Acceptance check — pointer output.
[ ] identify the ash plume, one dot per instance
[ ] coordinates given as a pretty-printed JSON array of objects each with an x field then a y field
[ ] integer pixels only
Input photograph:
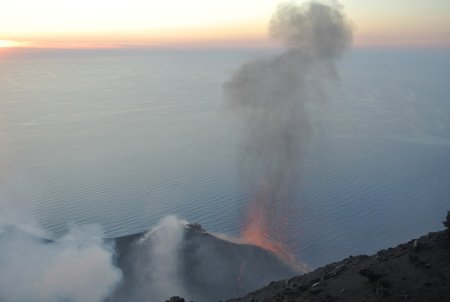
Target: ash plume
[{"x": 272, "y": 96}]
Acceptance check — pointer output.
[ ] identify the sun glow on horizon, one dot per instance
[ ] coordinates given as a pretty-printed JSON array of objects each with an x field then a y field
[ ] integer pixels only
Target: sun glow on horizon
[
  {"x": 10, "y": 43},
  {"x": 205, "y": 23},
  {"x": 245, "y": 34}
]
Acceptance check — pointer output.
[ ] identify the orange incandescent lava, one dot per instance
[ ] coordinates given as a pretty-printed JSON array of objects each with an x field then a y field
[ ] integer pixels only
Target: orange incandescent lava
[{"x": 261, "y": 231}]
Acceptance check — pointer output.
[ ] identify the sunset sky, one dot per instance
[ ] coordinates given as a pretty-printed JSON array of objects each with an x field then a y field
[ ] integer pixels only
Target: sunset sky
[{"x": 137, "y": 23}]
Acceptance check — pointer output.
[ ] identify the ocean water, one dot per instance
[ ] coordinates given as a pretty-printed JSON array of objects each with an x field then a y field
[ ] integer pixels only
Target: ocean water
[{"x": 122, "y": 138}]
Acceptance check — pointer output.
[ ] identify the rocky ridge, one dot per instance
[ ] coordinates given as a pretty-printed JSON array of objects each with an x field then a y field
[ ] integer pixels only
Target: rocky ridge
[{"x": 418, "y": 270}]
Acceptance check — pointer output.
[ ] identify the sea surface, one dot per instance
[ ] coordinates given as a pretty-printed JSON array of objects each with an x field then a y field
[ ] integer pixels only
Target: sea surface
[{"x": 122, "y": 138}]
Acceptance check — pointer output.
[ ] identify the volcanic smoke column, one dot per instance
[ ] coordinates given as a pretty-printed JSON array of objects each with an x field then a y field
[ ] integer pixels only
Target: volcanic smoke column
[{"x": 272, "y": 95}]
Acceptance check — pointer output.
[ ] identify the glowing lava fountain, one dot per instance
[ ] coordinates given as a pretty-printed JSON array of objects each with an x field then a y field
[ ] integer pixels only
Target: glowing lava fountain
[{"x": 267, "y": 227}]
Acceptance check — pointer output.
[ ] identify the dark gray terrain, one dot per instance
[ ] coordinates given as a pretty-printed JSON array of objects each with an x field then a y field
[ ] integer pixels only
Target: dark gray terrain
[
  {"x": 210, "y": 268},
  {"x": 415, "y": 271}
]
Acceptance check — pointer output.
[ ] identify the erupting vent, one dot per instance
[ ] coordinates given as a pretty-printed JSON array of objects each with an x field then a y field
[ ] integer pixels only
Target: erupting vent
[{"x": 272, "y": 96}]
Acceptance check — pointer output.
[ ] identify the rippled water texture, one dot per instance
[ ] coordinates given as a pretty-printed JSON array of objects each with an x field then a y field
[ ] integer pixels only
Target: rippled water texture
[{"x": 123, "y": 138}]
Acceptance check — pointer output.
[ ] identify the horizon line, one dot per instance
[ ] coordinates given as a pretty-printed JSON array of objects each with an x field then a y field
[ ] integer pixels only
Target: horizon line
[{"x": 237, "y": 43}]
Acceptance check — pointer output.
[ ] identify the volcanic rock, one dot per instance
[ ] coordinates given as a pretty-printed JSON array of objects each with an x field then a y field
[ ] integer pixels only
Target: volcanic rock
[
  {"x": 175, "y": 299},
  {"x": 418, "y": 270},
  {"x": 211, "y": 268}
]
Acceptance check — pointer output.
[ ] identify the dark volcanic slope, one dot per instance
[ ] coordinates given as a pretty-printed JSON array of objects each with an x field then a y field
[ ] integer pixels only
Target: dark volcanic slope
[
  {"x": 210, "y": 268},
  {"x": 415, "y": 271}
]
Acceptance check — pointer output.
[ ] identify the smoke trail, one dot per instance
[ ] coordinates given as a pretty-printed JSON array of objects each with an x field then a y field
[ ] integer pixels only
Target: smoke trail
[
  {"x": 272, "y": 96},
  {"x": 164, "y": 245},
  {"x": 151, "y": 263}
]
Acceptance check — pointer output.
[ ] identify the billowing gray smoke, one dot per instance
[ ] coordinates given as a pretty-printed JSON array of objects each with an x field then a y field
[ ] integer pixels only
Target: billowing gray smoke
[{"x": 272, "y": 96}]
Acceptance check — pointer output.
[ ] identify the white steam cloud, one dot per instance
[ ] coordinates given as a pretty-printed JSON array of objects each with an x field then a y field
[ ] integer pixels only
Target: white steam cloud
[
  {"x": 164, "y": 245},
  {"x": 36, "y": 270}
]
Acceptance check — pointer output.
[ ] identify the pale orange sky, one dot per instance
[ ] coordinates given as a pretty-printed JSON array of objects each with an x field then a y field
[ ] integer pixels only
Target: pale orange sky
[{"x": 208, "y": 23}]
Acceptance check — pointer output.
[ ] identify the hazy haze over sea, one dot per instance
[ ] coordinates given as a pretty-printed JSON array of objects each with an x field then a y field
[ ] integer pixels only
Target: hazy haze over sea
[{"x": 123, "y": 138}]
